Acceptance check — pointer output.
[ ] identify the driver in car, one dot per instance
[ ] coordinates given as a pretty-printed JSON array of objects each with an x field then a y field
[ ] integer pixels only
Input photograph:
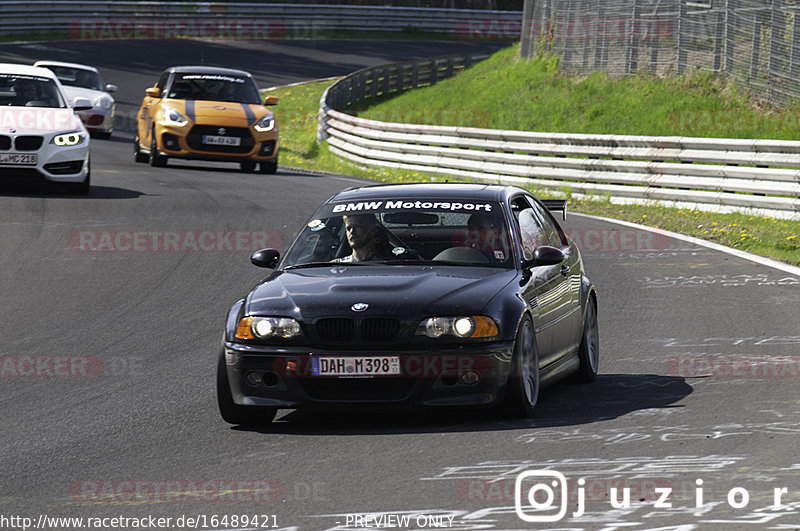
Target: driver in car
[{"x": 365, "y": 237}]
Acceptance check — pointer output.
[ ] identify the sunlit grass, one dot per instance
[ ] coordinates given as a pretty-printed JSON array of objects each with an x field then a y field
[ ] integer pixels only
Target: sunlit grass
[{"x": 766, "y": 236}]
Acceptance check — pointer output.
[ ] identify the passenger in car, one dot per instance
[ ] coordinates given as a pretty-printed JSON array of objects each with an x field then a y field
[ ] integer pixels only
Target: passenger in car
[{"x": 484, "y": 235}]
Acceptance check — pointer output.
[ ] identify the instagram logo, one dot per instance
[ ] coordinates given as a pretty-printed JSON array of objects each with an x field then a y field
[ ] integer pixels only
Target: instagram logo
[{"x": 541, "y": 488}]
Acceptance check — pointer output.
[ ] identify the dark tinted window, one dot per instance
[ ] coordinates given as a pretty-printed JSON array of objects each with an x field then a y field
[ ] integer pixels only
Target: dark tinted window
[{"x": 213, "y": 87}]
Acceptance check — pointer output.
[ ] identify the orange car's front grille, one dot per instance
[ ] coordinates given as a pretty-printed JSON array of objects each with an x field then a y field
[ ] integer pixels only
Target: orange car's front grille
[{"x": 198, "y": 132}]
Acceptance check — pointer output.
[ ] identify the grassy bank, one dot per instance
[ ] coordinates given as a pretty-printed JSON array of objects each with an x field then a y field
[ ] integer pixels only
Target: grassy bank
[{"x": 777, "y": 239}]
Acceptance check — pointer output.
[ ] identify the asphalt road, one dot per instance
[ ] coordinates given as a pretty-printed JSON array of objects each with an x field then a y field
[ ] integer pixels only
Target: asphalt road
[{"x": 699, "y": 368}]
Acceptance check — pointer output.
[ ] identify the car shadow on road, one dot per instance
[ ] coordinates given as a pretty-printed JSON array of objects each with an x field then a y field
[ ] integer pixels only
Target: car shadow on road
[
  {"x": 609, "y": 397},
  {"x": 55, "y": 191}
]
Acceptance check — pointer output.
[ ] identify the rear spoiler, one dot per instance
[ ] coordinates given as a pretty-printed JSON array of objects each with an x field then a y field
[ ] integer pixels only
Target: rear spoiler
[{"x": 556, "y": 205}]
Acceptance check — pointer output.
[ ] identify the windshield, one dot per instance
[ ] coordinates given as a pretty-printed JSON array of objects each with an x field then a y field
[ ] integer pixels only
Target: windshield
[
  {"x": 77, "y": 77},
  {"x": 463, "y": 232},
  {"x": 214, "y": 87},
  {"x": 30, "y": 91}
]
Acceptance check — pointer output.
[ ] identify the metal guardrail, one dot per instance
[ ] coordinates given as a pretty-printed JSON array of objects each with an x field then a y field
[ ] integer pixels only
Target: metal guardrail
[
  {"x": 757, "y": 176},
  {"x": 105, "y": 20}
]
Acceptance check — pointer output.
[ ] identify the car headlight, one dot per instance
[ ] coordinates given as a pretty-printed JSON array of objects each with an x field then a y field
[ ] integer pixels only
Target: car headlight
[
  {"x": 173, "y": 117},
  {"x": 268, "y": 328},
  {"x": 68, "y": 139},
  {"x": 103, "y": 101},
  {"x": 466, "y": 326},
  {"x": 265, "y": 123}
]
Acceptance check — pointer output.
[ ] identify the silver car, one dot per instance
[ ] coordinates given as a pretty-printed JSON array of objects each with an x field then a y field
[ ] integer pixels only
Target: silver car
[{"x": 82, "y": 81}]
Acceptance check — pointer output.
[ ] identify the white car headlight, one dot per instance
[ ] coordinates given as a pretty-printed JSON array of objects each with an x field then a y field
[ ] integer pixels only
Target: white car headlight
[
  {"x": 268, "y": 328},
  {"x": 265, "y": 123},
  {"x": 173, "y": 117},
  {"x": 466, "y": 326},
  {"x": 68, "y": 139},
  {"x": 103, "y": 101}
]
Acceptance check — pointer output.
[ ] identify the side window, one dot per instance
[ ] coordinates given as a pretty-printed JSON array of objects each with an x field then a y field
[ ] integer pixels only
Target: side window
[
  {"x": 162, "y": 81},
  {"x": 531, "y": 234},
  {"x": 554, "y": 233}
]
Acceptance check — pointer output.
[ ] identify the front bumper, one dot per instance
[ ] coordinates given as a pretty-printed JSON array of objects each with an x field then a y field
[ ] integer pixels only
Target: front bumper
[
  {"x": 185, "y": 142},
  {"x": 58, "y": 164},
  {"x": 426, "y": 379}
]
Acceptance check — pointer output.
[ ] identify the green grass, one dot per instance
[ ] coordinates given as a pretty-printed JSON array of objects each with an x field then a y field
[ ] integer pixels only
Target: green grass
[
  {"x": 765, "y": 236},
  {"x": 504, "y": 92}
]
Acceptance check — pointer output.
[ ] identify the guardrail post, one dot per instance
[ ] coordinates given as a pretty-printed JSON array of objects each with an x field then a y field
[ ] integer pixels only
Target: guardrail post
[
  {"x": 526, "y": 31},
  {"x": 632, "y": 55},
  {"x": 719, "y": 40},
  {"x": 682, "y": 51},
  {"x": 794, "y": 54},
  {"x": 775, "y": 43},
  {"x": 414, "y": 76},
  {"x": 434, "y": 72},
  {"x": 730, "y": 34},
  {"x": 755, "y": 51}
]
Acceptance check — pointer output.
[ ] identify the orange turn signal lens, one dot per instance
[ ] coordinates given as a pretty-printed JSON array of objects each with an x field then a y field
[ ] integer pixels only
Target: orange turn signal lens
[
  {"x": 243, "y": 330},
  {"x": 484, "y": 327}
]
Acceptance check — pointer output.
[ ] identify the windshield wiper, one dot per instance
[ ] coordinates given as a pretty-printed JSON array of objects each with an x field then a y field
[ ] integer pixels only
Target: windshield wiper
[{"x": 323, "y": 264}]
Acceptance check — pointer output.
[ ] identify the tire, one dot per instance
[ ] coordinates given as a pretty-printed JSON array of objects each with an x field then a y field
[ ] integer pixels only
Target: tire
[
  {"x": 269, "y": 166},
  {"x": 233, "y": 413},
  {"x": 589, "y": 351},
  {"x": 248, "y": 166},
  {"x": 138, "y": 156},
  {"x": 157, "y": 160},
  {"x": 523, "y": 383}
]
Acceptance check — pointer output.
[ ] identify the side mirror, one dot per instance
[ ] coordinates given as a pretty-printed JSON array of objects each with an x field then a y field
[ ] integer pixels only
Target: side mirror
[
  {"x": 81, "y": 104},
  {"x": 153, "y": 92},
  {"x": 265, "y": 258},
  {"x": 110, "y": 88},
  {"x": 271, "y": 100},
  {"x": 544, "y": 256}
]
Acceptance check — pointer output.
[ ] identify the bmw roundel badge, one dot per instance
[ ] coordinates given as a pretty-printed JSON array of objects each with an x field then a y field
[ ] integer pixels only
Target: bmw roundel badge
[{"x": 359, "y": 306}]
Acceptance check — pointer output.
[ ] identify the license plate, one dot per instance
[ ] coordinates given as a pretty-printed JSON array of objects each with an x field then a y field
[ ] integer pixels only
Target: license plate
[
  {"x": 18, "y": 158},
  {"x": 361, "y": 366},
  {"x": 222, "y": 140}
]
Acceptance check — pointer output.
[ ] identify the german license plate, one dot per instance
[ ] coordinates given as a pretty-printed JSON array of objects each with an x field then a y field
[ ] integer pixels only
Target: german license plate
[
  {"x": 21, "y": 159},
  {"x": 222, "y": 140},
  {"x": 361, "y": 366}
]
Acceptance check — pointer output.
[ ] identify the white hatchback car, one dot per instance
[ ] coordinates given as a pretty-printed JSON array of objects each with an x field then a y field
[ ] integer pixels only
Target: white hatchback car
[
  {"x": 41, "y": 137},
  {"x": 82, "y": 81}
]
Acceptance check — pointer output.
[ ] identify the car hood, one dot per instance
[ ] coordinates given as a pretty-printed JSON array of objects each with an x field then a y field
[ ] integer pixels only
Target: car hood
[
  {"x": 79, "y": 92},
  {"x": 219, "y": 112},
  {"x": 412, "y": 292}
]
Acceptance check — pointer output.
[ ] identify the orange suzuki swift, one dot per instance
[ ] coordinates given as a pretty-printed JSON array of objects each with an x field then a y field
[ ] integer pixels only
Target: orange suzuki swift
[{"x": 206, "y": 113}]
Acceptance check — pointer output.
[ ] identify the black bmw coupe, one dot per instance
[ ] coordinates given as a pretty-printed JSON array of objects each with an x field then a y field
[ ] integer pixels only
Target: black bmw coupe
[{"x": 415, "y": 294}]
